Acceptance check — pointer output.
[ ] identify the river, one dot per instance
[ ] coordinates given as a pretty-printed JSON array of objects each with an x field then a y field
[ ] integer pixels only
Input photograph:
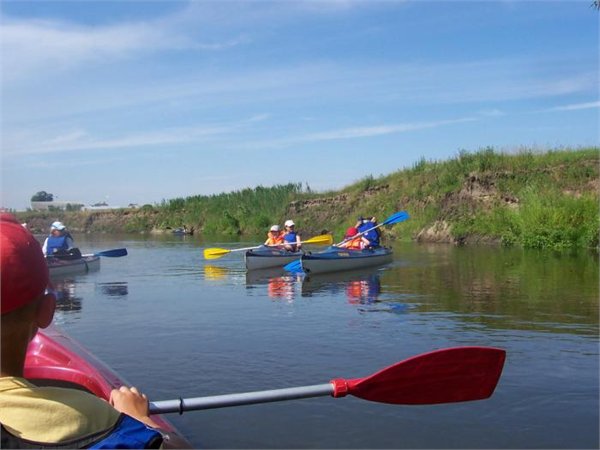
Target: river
[{"x": 177, "y": 325}]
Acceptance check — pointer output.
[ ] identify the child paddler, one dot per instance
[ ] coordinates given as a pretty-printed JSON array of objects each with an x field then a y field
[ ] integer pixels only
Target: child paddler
[
  {"x": 291, "y": 238},
  {"x": 274, "y": 236}
]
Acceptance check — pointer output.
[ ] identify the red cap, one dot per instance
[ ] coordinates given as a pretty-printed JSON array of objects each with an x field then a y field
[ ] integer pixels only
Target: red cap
[
  {"x": 22, "y": 265},
  {"x": 352, "y": 231}
]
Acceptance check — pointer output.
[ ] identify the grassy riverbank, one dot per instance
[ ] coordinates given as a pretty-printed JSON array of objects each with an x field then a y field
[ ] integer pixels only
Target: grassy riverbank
[{"x": 546, "y": 200}]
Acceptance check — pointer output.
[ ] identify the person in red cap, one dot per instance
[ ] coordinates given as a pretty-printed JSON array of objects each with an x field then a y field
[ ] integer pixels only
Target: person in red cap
[
  {"x": 354, "y": 241},
  {"x": 49, "y": 416}
]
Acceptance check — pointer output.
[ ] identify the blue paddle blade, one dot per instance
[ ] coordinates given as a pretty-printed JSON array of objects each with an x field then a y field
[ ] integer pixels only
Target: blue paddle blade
[
  {"x": 400, "y": 216},
  {"x": 294, "y": 266}
]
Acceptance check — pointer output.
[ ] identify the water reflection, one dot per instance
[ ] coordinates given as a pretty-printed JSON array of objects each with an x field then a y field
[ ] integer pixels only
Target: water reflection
[
  {"x": 113, "y": 289},
  {"x": 215, "y": 272},
  {"x": 507, "y": 288},
  {"x": 360, "y": 287},
  {"x": 281, "y": 285},
  {"x": 66, "y": 296}
]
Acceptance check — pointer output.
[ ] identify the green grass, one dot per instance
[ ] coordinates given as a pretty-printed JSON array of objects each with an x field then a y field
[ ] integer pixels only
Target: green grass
[{"x": 526, "y": 198}]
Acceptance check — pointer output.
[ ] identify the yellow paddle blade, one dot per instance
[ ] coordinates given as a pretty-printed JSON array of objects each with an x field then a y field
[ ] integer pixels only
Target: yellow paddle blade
[
  {"x": 214, "y": 253},
  {"x": 323, "y": 239}
]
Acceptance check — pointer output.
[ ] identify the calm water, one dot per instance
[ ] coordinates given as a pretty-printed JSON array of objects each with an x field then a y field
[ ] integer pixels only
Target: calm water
[{"x": 175, "y": 325}]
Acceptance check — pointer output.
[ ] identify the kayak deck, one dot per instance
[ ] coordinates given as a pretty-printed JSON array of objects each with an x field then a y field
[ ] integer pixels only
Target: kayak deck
[{"x": 55, "y": 359}]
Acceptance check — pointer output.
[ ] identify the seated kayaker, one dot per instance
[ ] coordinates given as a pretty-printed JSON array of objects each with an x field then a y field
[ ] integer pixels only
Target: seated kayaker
[
  {"x": 40, "y": 417},
  {"x": 372, "y": 234},
  {"x": 291, "y": 238},
  {"x": 59, "y": 242},
  {"x": 274, "y": 236},
  {"x": 354, "y": 241}
]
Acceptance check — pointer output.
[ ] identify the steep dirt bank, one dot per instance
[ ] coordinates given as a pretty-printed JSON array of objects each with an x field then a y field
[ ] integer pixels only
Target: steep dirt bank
[{"x": 484, "y": 198}]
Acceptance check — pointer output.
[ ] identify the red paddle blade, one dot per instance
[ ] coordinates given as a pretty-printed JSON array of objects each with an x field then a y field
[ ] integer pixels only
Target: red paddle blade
[{"x": 450, "y": 375}]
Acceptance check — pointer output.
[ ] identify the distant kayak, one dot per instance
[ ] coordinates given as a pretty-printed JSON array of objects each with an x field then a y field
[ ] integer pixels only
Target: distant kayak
[
  {"x": 266, "y": 257},
  {"x": 182, "y": 231},
  {"x": 75, "y": 266},
  {"x": 336, "y": 259}
]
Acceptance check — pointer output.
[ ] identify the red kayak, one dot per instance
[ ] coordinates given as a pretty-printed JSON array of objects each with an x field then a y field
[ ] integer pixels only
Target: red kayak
[{"x": 55, "y": 359}]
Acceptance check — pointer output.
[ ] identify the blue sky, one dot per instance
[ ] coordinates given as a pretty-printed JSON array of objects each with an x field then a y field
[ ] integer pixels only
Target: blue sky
[{"x": 136, "y": 102}]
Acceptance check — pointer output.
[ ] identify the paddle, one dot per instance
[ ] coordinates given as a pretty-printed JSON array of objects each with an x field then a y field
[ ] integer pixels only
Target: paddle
[
  {"x": 114, "y": 253},
  {"x": 449, "y": 375},
  {"x": 214, "y": 253},
  {"x": 400, "y": 216}
]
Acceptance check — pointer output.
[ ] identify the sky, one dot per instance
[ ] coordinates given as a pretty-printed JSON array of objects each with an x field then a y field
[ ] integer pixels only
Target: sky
[{"x": 143, "y": 101}]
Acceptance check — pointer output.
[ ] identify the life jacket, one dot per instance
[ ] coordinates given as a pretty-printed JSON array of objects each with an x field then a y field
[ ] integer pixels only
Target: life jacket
[
  {"x": 354, "y": 244},
  {"x": 274, "y": 240},
  {"x": 290, "y": 237},
  {"x": 372, "y": 236},
  {"x": 127, "y": 432},
  {"x": 56, "y": 244}
]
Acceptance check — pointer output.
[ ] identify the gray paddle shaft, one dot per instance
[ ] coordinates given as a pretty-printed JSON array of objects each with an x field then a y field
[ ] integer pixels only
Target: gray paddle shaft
[{"x": 248, "y": 398}]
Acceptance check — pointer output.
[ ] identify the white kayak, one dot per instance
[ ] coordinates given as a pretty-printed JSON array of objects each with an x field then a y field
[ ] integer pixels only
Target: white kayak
[
  {"x": 336, "y": 259},
  {"x": 60, "y": 267},
  {"x": 266, "y": 257}
]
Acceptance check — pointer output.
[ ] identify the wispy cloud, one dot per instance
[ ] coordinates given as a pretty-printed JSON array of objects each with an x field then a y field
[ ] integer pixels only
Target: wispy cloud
[
  {"x": 83, "y": 141},
  {"x": 79, "y": 140},
  {"x": 359, "y": 132},
  {"x": 363, "y": 132},
  {"x": 51, "y": 164},
  {"x": 574, "y": 107},
  {"x": 29, "y": 46}
]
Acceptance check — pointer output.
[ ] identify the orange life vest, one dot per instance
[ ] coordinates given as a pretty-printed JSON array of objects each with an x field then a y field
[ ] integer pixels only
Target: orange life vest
[
  {"x": 274, "y": 240},
  {"x": 354, "y": 244}
]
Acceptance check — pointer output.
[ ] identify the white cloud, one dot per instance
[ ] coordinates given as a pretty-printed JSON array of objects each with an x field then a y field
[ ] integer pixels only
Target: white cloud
[
  {"x": 575, "y": 107},
  {"x": 33, "y": 46},
  {"x": 353, "y": 133},
  {"x": 362, "y": 132},
  {"x": 80, "y": 140}
]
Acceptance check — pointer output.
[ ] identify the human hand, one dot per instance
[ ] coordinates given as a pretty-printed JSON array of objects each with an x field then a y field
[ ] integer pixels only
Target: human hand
[{"x": 130, "y": 401}]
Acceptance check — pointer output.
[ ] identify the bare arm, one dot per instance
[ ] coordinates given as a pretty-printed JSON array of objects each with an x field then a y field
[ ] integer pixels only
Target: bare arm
[{"x": 132, "y": 402}]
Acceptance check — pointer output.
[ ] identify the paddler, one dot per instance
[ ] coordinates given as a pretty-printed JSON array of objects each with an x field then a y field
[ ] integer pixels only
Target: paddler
[
  {"x": 41, "y": 417},
  {"x": 354, "y": 241},
  {"x": 291, "y": 238},
  {"x": 373, "y": 235},
  {"x": 274, "y": 236},
  {"x": 60, "y": 242}
]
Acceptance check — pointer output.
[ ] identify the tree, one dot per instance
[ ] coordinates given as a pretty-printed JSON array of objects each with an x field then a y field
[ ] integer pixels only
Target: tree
[{"x": 42, "y": 196}]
